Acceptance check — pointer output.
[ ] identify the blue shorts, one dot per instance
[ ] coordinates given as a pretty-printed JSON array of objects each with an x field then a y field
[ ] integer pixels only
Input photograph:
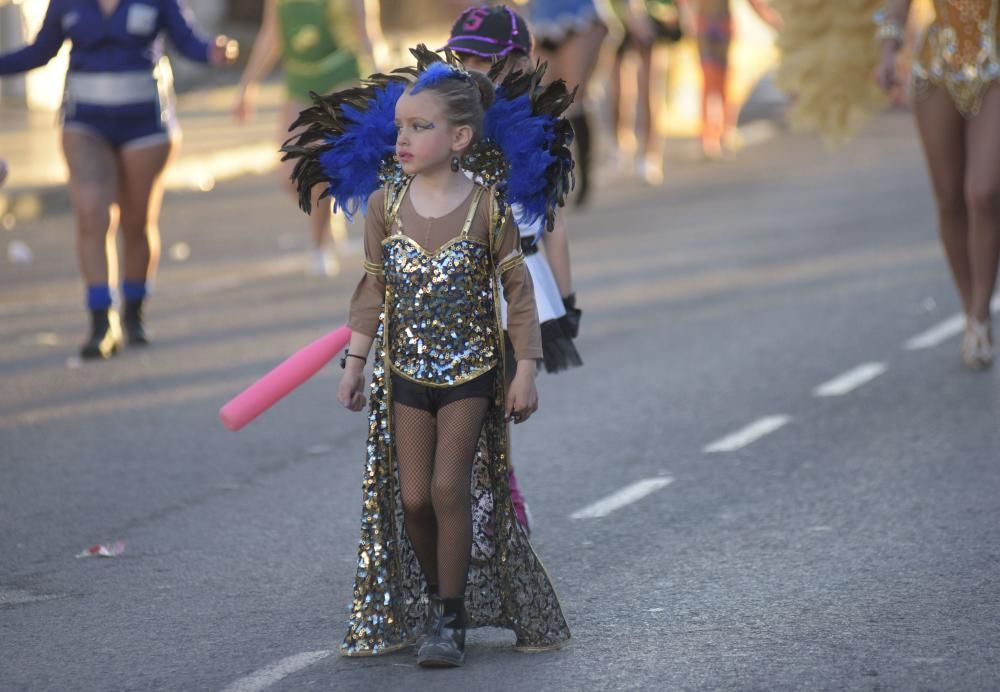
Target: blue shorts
[
  {"x": 553, "y": 21},
  {"x": 134, "y": 125}
]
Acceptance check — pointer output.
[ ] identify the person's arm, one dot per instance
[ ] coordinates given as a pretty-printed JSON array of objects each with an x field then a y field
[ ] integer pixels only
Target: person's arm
[
  {"x": 45, "y": 46},
  {"x": 263, "y": 57},
  {"x": 368, "y": 26},
  {"x": 192, "y": 44},
  {"x": 522, "y": 323},
  {"x": 366, "y": 305},
  {"x": 891, "y": 32}
]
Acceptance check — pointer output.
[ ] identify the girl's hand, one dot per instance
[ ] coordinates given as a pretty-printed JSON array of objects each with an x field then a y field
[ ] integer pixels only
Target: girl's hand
[
  {"x": 885, "y": 73},
  {"x": 352, "y": 385},
  {"x": 224, "y": 51},
  {"x": 522, "y": 397}
]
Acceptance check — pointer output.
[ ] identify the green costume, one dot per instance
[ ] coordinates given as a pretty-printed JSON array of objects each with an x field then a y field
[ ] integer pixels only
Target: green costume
[{"x": 319, "y": 51}]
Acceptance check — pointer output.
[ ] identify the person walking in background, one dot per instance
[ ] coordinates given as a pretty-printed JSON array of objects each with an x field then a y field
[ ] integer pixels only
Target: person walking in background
[
  {"x": 956, "y": 86},
  {"x": 714, "y": 26},
  {"x": 119, "y": 132},
  {"x": 568, "y": 36},
  {"x": 647, "y": 23},
  {"x": 322, "y": 46},
  {"x": 3, "y": 172}
]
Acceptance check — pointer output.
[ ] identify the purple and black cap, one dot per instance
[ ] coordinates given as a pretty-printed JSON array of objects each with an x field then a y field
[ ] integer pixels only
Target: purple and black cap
[{"x": 489, "y": 31}]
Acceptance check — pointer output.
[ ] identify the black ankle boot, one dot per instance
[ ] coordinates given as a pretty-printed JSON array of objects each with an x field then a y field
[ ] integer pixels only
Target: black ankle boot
[
  {"x": 105, "y": 335},
  {"x": 446, "y": 649},
  {"x": 135, "y": 332},
  {"x": 432, "y": 621},
  {"x": 581, "y": 135}
]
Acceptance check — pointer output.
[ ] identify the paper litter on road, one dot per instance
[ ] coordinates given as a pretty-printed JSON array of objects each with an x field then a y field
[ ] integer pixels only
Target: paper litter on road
[
  {"x": 104, "y": 550},
  {"x": 18, "y": 252}
]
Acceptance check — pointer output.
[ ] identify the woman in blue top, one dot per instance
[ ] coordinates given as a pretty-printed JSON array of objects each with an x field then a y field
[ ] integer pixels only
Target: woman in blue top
[{"x": 118, "y": 134}]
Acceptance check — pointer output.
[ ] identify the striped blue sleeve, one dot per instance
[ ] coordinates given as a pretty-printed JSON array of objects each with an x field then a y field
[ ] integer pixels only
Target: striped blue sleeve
[
  {"x": 179, "y": 23},
  {"x": 47, "y": 43}
]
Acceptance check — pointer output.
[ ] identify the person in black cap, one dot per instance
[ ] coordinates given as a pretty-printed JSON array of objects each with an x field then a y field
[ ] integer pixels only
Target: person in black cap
[{"x": 480, "y": 36}]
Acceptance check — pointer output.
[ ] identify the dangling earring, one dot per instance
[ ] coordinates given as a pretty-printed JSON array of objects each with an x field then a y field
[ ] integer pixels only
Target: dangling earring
[{"x": 455, "y": 164}]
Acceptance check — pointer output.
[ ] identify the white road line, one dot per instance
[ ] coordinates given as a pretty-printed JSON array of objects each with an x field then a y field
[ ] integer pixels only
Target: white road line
[
  {"x": 943, "y": 331},
  {"x": 850, "y": 380},
  {"x": 619, "y": 499},
  {"x": 937, "y": 334},
  {"x": 265, "y": 677},
  {"x": 748, "y": 435}
]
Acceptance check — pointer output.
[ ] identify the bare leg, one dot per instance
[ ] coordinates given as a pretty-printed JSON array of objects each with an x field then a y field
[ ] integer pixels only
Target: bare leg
[
  {"x": 942, "y": 132},
  {"x": 575, "y": 62},
  {"x": 577, "y": 58},
  {"x": 615, "y": 96},
  {"x": 982, "y": 194},
  {"x": 93, "y": 181},
  {"x": 556, "y": 247},
  {"x": 140, "y": 199},
  {"x": 644, "y": 107},
  {"x": 713, "y": 107}
]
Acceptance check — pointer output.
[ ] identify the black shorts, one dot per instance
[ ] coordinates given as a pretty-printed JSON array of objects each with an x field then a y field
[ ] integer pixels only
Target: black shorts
[{"x": 432, "y": 399}]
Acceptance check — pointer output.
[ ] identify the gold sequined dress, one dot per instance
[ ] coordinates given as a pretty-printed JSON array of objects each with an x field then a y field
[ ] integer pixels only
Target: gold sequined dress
[
  {"x": 431, "y": 303},
  {"x": 959, "y": 52}
]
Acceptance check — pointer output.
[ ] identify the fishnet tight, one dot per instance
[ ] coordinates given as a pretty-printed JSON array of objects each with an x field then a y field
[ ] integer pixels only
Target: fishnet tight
[{"x": 435, "y": 453}]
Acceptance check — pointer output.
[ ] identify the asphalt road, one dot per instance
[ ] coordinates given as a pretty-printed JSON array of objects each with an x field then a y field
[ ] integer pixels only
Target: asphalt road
[{"x": 787, "y": 540}]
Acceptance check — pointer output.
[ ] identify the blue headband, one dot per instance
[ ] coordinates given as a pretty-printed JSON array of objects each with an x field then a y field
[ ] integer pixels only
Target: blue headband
[{"x": 437, "y": 73}]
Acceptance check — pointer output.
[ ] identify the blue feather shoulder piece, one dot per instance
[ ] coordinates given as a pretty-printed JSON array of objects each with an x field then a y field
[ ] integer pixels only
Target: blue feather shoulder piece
[
  {"x": 347, "y": 139},
  {"x": 347, "y": 142},
  {"x": 526, "y": 126}
]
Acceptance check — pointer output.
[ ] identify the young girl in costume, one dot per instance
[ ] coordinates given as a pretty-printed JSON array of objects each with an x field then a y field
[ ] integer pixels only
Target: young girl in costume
[
  {"x": 441, "y": 549},
  {"x": 479, "y": 37}
]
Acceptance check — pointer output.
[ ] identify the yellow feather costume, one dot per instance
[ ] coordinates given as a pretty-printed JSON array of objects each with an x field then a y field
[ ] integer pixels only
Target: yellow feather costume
[{"x": 828, "y": 61}]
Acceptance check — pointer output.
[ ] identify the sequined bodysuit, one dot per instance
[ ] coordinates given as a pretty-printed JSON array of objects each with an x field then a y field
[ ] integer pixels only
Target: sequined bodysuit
[
  {"x": 959, "y": 52},
  {"x": 434, "y": 338}
]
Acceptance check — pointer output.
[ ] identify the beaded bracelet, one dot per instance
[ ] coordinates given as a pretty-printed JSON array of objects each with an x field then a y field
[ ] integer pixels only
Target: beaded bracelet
[{"x": 888, "y": 30}]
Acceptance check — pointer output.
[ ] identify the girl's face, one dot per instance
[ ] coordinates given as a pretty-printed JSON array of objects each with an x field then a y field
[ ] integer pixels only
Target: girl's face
[
  {"x": 475, "y": 62},
  {"x": 425, "y": 140}
]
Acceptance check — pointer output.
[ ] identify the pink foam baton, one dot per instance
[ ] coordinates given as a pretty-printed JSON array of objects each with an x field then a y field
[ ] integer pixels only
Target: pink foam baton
[{"x": 293, "y": 371}]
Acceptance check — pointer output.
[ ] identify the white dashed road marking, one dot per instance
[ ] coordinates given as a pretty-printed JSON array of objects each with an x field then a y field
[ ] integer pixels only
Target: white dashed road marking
[
  {"x": 265, "y": 677},
  {"x": 850, "y": 380},
  {"x": 621, "y": 498},
  {"x": 748, "y": 435}
]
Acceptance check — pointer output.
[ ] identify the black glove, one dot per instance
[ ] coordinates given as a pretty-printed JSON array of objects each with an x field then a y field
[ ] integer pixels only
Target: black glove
[{"x": 571, "y": 320}]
